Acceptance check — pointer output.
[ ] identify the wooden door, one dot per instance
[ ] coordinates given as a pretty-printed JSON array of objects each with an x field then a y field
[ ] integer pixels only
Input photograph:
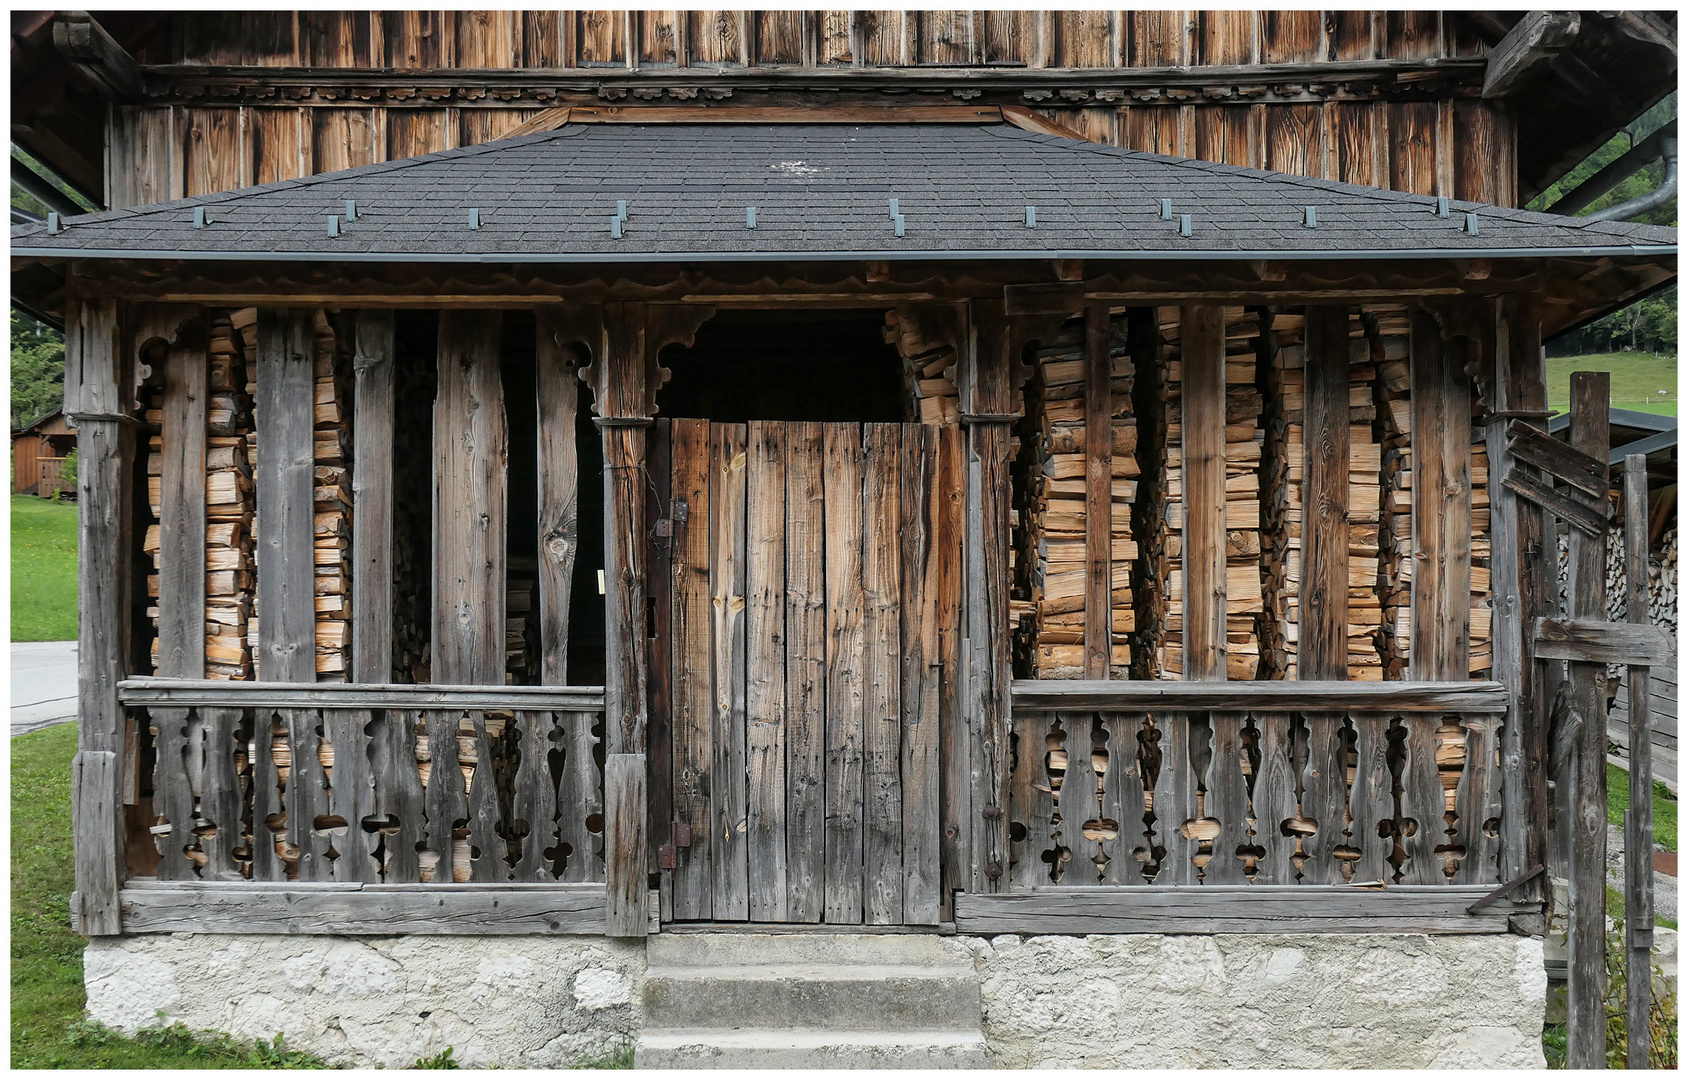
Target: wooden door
[{"x": 812, "y": 584}]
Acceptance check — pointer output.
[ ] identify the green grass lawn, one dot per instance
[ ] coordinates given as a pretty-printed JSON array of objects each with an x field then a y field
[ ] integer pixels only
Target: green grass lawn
[
  {"x": 43, "y": 569},
  {"x": 1664, "y": 807},
  {"x": 48, "y": 1030},
  {"x": 1637, "y": 379}
]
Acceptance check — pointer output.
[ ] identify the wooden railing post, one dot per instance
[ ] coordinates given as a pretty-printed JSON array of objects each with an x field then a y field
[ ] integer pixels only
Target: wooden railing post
[
  {"x": 1441, "y": 550},
  {"x": 98, "y": 400},
  {"x": 372, "y": 494},
  {"x": 285, "y": 484},
  {"x": 1323, "y": 649}
]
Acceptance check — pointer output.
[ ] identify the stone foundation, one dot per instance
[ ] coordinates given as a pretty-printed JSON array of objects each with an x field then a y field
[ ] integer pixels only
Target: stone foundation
[{"x": 1105, "y": 1001}]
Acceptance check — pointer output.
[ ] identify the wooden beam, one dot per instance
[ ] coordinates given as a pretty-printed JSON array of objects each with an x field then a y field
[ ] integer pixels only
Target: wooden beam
[
  {"x": 471, "y": 450},
  {"x": 1638, "y": 819},
  {"x": 313, "y": 695},
  {"x": 1441, "y": 586},
  {"x": 100, "y": 59},
  {"x": 96, "y": 394},
  {"x": 1531, "y": 44},
  {"x": 1596, "y": 641},
  {"x": 625, "y": 908},
  {"x": 1574, "y": 512},
  {"x": 1560, "y": 461},
  {"x": 786, "y": 114},
  {"x": 181, "y": 526},
  {"x": 1586, "y": 998},
  {"x": 285, "y": 484},
  {"x": 1235, "y": 909},
  {"x": 1323, "y": 648},
  {"x": 1203, "y": 354},
  {"x": 559, "y": 488},
  {"x": 372, "y": 495},
  {"x": 1083, "y": 695},
  {"x": 1098, "y": 488}
]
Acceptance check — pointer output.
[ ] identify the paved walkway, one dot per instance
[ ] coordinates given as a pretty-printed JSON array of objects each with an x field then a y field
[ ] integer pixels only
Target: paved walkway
[{"x": 43, "y": 684}]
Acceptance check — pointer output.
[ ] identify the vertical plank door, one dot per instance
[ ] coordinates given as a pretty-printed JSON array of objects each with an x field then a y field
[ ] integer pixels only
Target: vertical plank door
[
  {"x": 882, "y": 792},
  {"x": 805, "y": 672},
  {"x": 845, "y": 695},
  {"x": 728, "y": 795},
  {"x": 765, "y": 695},
  {"x": 691, "y": 662}
]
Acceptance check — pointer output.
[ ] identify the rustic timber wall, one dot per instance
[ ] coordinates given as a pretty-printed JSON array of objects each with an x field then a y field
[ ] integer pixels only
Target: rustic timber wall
[{"x": 1253, "y": 95}]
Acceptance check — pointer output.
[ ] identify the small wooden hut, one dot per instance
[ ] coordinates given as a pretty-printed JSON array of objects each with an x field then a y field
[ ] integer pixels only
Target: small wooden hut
[{"x": 38, "y": 453}]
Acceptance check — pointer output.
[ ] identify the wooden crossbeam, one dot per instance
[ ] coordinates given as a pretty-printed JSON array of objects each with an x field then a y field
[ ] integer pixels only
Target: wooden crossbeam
[
  {"x": 1585, "y": 518},
  {"x": 1557, "y": 459},
  {"x": 1595, "y": 641}
]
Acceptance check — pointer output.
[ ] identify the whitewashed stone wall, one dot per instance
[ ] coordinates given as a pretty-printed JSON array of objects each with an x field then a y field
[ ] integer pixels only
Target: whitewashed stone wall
[
  {"x": 515, "y": 1001},
  {"x": 1106, "y": 1001}
]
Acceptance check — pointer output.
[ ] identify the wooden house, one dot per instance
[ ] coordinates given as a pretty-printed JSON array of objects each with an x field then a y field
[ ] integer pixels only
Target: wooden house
[
  {"x": 38, "y": 453},
  {"x": 967, "y": 472}
]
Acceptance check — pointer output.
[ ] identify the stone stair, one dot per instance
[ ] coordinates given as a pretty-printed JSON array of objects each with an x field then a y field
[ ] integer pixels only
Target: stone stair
[{"x": 809, "y": 1001}]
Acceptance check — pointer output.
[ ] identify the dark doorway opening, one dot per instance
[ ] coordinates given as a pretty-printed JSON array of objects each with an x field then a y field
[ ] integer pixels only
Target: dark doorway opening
[{"x": 787, "y": 365}]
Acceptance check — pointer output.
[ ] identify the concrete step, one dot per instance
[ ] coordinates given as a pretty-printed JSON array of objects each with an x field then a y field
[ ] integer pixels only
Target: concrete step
[
  {"x": 666, "y": 950},
  {"x": 833, "y": 997},
  {"x": 799, "y": 1049}
]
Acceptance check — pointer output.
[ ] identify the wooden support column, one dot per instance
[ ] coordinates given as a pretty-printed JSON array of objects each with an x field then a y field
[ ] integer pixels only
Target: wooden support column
[
  {"x": 1441, "y": 589},
  {"x": 181, "y": 527},
  {"x": 559, "y": 492},
  {"x": 471, "y": 452},
  {"x": 372, "y": 494},
  {"x": 1521, "y": 574},
  {"x": 1204, "y": 490},
  {"x": 1098, "y": 493},
  {"x": 1585, "y": 1043},
  {"x": 286, "y": 485},
  {"x": 1323, "y": 651},
  {"x": 625, "y": 340},
  {"x": 1638, "y": 819},
  {"x": 98, "y": 400}
]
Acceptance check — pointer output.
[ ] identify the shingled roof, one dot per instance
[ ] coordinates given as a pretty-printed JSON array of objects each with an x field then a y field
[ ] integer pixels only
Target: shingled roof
[{"x": 819, "y": 192}]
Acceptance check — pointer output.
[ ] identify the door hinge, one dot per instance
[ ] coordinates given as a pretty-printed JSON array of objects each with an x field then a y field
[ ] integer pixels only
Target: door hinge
[{"x": 681, "y": 833}]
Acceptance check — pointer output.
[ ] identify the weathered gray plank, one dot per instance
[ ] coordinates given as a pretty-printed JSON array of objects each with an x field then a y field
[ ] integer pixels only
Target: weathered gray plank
[
  {"x": 922, "y": 506},
  {"x": 805, "y": 673},
  {"x": 471, "y": 451},
  {"x": 1122, "y": 801},
  {"x": 268, "y": 805},
  {"x": 1203, "y": 352},
  {"x": 559, "y": 486},
  {"x": 534, "y": 805},
  {"x": 1274, "y": 801},
  {"x": 351, "y": 794},
  {"x": 1098, "y": 492},
  {"x": 372, "y": 494},
  {"x": 1324, "y": 798},
  {"x": 486, "y": 848},
  {"x": 307, "y": 794},
  {"x": 882, "y": 781},
  {"x": 172, "y": 798},
  {"x": 1371, "y": 800},
  {"x": 285, "y": 485},
  {"x": 1575, "y": 512},
  {"x": 398, "y": 793},
  {"x": 1209, "y": 909},
  {"x": 1559, "y": 460},
  {"x": 625, "y": 906},
  {"x": 445, "y": 803},
  {"x": 349, "y": 696},
  {"x": 1080, "y": 801},
  {"x": 1032, "y": 805},
  {"x": 1322, "y": 652},
  {"x": 729, "y": 798},
  {"x": 955, "y": 754},
  {"x": 1175, "y": 798},
  {"x": 765, "y": 693},
  {"x": 1441, "y": 585},
  {"x": 1477, "y": 803},
  {"x": 1638, "y": 819},
  {"x": 1423, "y": 804},
  {"x": 691, "y": 662},
  {"x": 845, "y": 695},
  {"x": 1596, "y": 641},
  {"x": 1395, "y": 697},
  {"x": 1227, "y": 800},
  {"x": 181, "y": 523},
  {"x": 580, "y": 798}
]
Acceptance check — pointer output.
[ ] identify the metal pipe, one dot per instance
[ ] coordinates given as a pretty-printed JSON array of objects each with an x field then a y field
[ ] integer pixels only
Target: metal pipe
[
  {"x": 1638, "y": 156},
  {"x": 1641, "y": 204},
  {"x": 43, "y": 189}
]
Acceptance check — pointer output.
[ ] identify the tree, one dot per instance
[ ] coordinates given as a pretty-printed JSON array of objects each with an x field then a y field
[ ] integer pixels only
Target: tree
[{"x": 37, "y": 370}]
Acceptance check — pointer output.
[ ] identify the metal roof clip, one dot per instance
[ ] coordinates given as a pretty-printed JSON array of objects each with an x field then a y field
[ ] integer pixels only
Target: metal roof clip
[
  {"x": 896, "y": 211},
  {"x": 615, "y": 227},
  {"x": 1471, "y": 222},
  {"x": 199, "y": 217},
  {"x": 750, "y": 217},
  {"x": 621, "y": 209},
  {"x": 899, "y": 222},
  {"x": 1183, "y": 224},
  {"x": 1031, "y": 216},
  {"x": 474, "y": 217},
  {"x": 1166, "y": 209},
  {"x": 333, "y": 224},
  {"x": 1443, "y": 205},
  {"x": 54, "y": 224},
  {"x": 351, "y": 209},
  {"x": 1310, "y": 216}
]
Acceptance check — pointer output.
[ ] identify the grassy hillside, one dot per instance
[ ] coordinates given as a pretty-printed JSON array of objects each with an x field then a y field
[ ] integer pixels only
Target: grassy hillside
[
  {"x": 1637, "y": 379},
  {"x": 43, "y": 569}
]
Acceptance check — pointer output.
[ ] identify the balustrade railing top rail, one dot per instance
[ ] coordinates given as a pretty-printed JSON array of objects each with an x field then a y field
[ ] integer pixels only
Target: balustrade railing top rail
[
  {"x": 195, "y": 692},
  {"x": 1322, "y": 696}
]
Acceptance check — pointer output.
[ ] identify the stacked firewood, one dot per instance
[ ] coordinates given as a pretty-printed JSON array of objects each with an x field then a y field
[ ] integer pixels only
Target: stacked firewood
[
  {"x": 1050, "y": 541},
  {"x": 521, "y": 582},
  {"x": 151, "y": 395},
  {"x": 230, "y": 499},
  {"x": 1244, "y": 442},
  {"x": 333, "y": 502},
  {"x": 1395, "y": 530},
  {"x": 928, "y": 371},
  {"x": 1482, "y": 607}
]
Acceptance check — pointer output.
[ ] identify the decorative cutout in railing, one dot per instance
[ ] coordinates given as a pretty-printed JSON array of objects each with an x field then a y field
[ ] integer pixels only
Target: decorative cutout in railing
[
  {"x": 1280, "y": 796},
  {"x": 375, "y": 785}
]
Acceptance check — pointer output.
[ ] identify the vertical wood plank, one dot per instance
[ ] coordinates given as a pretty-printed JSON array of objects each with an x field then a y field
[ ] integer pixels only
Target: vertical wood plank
[
  {"x": 220, "y": 802},
  {"x": 535, "y": 799},
  {"x": 624, "y": 845},
  {"x": 729, "y": 797},
  {"x": 882, "y": 800},
  {"x": 1203, "y": 356},
  {"x": 1323, "y": 648},
  {"x": 471, "y": 451},
  {"x": 372, "y": 494},
  {"x": 920, "y": 512},
  {"x": 181, "y": 557},
  {"x": 659, "y": 577},
  {"x": 1372, "y": 799},
  {"x": 1274, "y": 800},
  {"x": 955, "y": 754},
  {"x": 1098, "y": 492},
  {"x": 845, "y": 695},
  {"x": 172, "y": 797},
  {"x": 1033, "y": 799},
  {"x": 444, "y": 795},
  {"x": 1175, "y": 800},
  {"x": 285, "y": 483},
  {"x": 1227, "y": 800},
  {"x": 1122, "y": 800},
  {"x": 691, "y": 663},
  {"x": 580, "y": 797},
  {"x": 1079, "y": 800},
  {"x": 1638, "y": 819},
  {"x": 765, "y": 689},
  {"x": 1477, "y": 802},
  {"x": 1423, "y": 805},
  {"x": 486, "y": 847},
  {"x": 559, "y": 486},
  {"x": 1441, "y": 585},
  {"x": 805, "y": 672},
  {"x": 351, "y": 794},
  {"x": 1586, "y": 1001},
  {"x": 399, "y": 797},
  {"x": 307, "y": 793},
  {"x": 1324, "y": 798}
]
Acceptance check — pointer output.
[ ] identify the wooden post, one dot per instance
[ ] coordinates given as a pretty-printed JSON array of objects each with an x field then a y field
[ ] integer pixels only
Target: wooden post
[
  {"x": 1441, "y": 588},
  {"x": 372, "y": 494},
  {"x": 1638, "y": 819},
  {"x": 97, "y": 399},
  {"x": 1204, "y": 491},
  {"x": 1521, "y": 574},
  {"x": 181, "y": 527},
  {"x": 471, "y": 449},
  {"x": 1585, "y": 1043},
  {"x": 1098, "y": 493},
  {"x": 1323, "y": 650},
  {"x": 559, "y": 486},
  {"x": 286, "y": 486}
]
